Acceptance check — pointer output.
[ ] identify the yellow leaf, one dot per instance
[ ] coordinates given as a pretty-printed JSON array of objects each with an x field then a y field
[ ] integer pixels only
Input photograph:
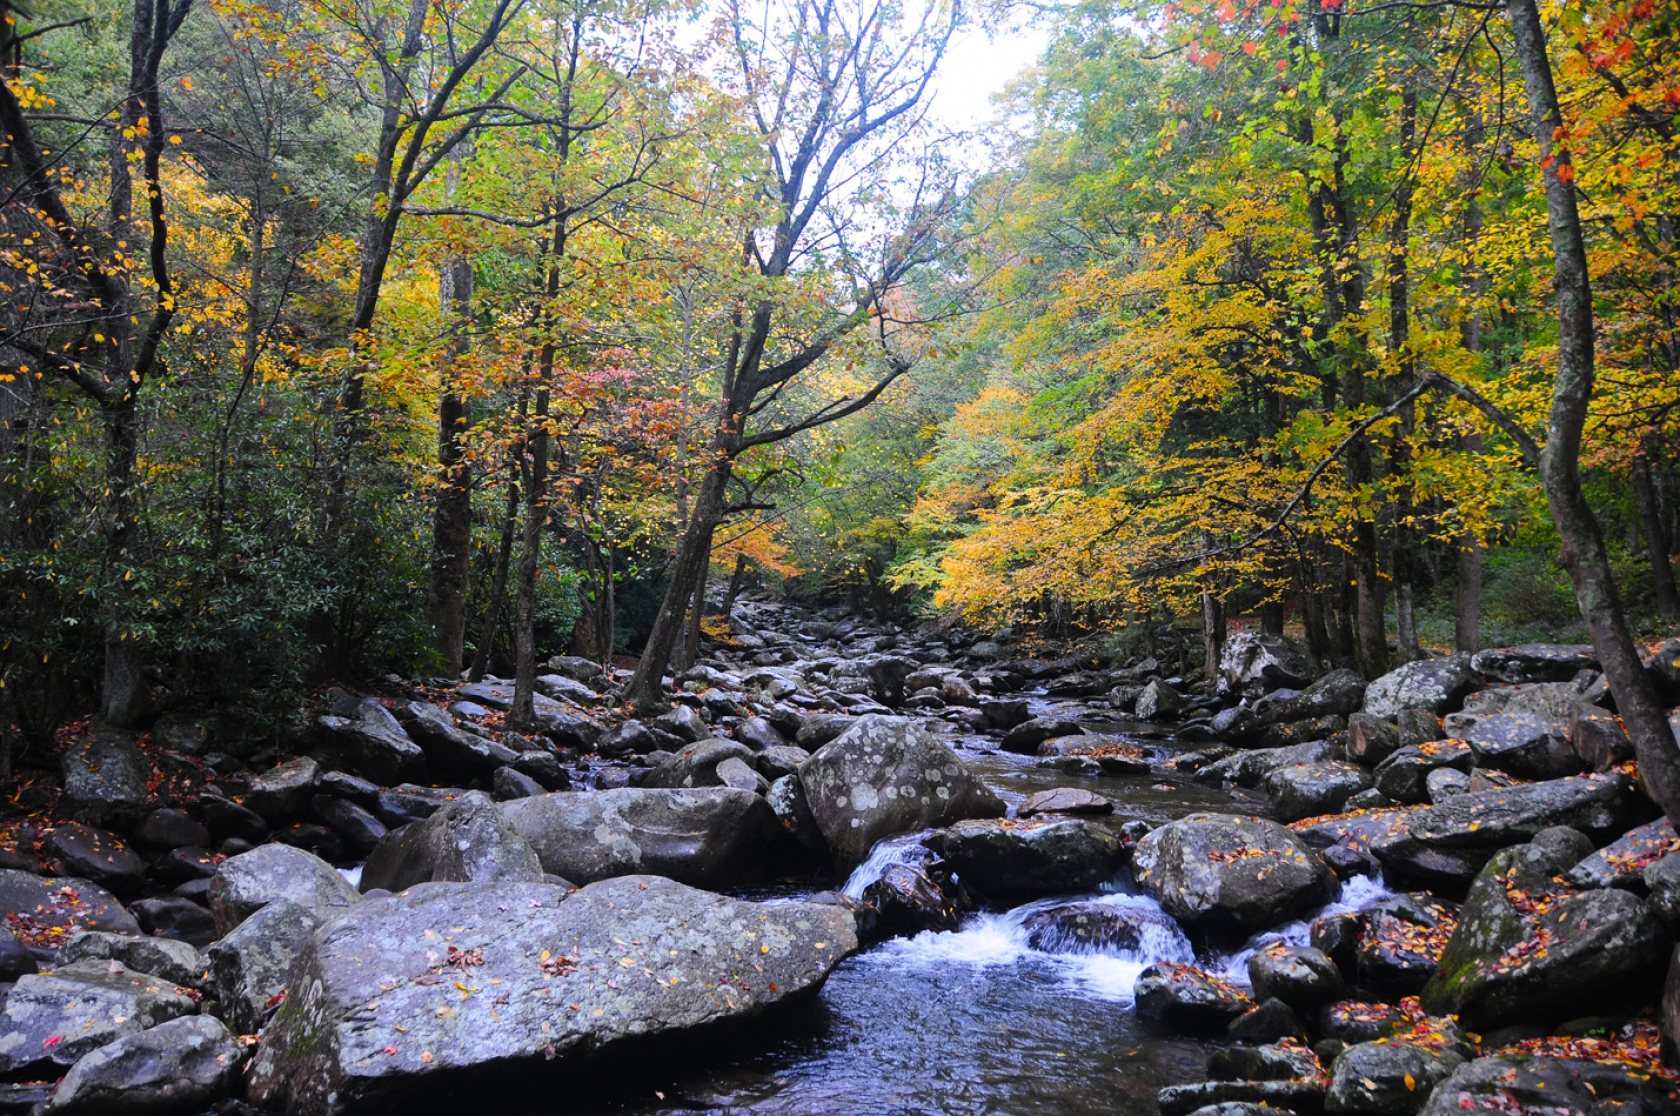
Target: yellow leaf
[{"x": 1411, "y": 1082}]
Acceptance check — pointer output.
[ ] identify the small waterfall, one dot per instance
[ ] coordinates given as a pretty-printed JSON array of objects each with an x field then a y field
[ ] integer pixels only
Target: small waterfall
[
  {"x": 906, "y": 848},
  {"x": 1358, "y": 894}
]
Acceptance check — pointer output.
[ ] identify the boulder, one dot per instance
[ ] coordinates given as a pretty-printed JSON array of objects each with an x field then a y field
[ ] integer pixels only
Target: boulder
[
  {"x": 1444, "y": 783},
  {"x": 561, "y": 688},
  {"x": 1229, "y": 875},
  {"x": 180, "y": 1066},
  {"x": 884, "y": 776},
  {"x": 1534, "y": 662},
  {"x": 706, "y": 836},
  {"x": 1370, "y": 740},
  {"x": 759, "y": 734},
  {"x": 450, "y": 750},
  {"x": 1401, "y": 941},
  {"x": 229, "y": 820},
  {"x": 170, "y": 829},
  {"x": 1022, "y": 859},
  {"x": 908, "y": 900},
  {"x": 1238, "y": 1098},
  {"x": 250, "y": 967},
  {"x": 1404, "y": 775},
  {"x": 468, "y": 841},
  {"x": 1158, "y": 702},
  {"x": 1126, "y": 927},
  {"x": 1386, "y": 1077},
  {"x": 683, "y": 722},
  {"x": 1338, "y": 694},
  {"x": 46, "y": 911},
  {"x": 1527, "y": 949},
  {"x": 357, "y": 827},
  {"x": 786, "y": 799},
  {"x": 177, "y": 918},
  {"x": 1185, "y": 999},
  {"x": 1268, "y": 1021},
  {"x": 1302, "y": 977},
  {"x": 1513, "y": 1083},
  {"x": 1065, "y": 800},
  {"x": 56, "y": 1018},
  {"x": 1598, "y": 737},
  {"x": 284, "y": 789},
  {"x": 377, "y": 744},
  {"x": 94, "y": 854},
  {"x": 821, "y": 728},
  {"x": 509, "y": 783},
  {"x": 629, "y": 739},
  {"x": 1249, "y": 768},
  {"x": 1622, "y": 862},
  {"x": 779, "y": 760},
  {"x": 1305, "y": 790},
  {"x": 1662, "y": 878},
  {"x": 1026, "y": 737},
  {"x": 640, "y": 957},
  {"x": 246, "y": 883},
  {"x": 105, "y": 780},
  {"x": 1302, "y": 732},
  {"x": 1435, "y": 685},
  {"x": 160, "y": 957},
  {"x": 1523, "y": 744},
  {"x": 696, "y": 765},
  {"x": 1256, "y": 663}
]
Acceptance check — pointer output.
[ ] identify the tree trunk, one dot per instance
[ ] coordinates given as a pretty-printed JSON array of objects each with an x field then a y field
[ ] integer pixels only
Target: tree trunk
[
  {"x": 1583, "y": 543},
  {"x": 735, "y": 581},
  {"x": 646, "y": 691},
  {"x": 452, "y": 515},
  {"x": 1399, "y": 340},
  {"x": 498, "y": 584},
  {"x": 696, "y": 613},
  {"x": 1467, "y": 601},
  {"x": 122, "y": 693},
  {"x": 1213, "y": 619},
  {"x": 1662, "y": 571}
]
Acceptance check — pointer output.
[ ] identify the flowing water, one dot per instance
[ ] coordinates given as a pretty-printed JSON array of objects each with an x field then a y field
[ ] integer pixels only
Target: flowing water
[{"x": 976, "y": 1021}]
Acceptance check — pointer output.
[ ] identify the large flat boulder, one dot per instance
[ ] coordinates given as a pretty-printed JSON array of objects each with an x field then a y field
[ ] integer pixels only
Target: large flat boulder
[
  {"x": 46, "y": 911},
  {"x": 884, "y": 776},
  {"x": 705, "y": 836},
  {"x": 1535, "y": 662},
  {"x": 1229, "y": 875},
  {"x": 1520, "y": 1085},
  {"x": 451, "y": 994},
  {"x": 1525, "y": 744}
]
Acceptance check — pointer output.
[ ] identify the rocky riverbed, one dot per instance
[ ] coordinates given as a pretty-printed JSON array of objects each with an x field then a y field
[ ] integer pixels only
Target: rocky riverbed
[{"x": 865, "y": 869}]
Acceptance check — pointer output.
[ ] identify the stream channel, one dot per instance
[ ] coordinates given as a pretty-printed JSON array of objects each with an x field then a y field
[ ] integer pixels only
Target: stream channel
[{"x": 975, "y": 1021}]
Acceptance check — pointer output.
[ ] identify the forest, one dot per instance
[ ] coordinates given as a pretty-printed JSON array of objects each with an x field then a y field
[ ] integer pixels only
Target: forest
[{"x": 345, "y": 338}]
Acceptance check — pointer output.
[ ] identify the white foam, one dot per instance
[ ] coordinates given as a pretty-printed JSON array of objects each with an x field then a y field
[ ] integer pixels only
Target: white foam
[
  {"x": 1357, "y": 895},
  {"x": 353, "y": 874}
]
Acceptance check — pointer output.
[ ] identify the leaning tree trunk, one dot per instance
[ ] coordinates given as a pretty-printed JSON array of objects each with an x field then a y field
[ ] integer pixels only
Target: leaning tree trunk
[
  {"x": 1583, "y": 543},
  {"x": 646, "y": 691}
]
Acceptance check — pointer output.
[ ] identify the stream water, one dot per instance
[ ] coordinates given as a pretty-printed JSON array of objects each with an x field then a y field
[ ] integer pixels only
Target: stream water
[{"x": 964, "y": 1023}]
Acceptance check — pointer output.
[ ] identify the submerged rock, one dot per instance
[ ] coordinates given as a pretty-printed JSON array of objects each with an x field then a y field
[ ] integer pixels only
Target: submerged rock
[
  {"x": 378, "y": 1020},
  {"x": 1106, "y": 928}
]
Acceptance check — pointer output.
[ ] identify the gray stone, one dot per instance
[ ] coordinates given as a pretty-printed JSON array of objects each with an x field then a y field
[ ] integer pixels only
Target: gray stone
[
  {"x": 1225, "y": 874},
  {"x": 1302, "y": 977},
  {"x": 171, "y": 829},
  {"x": 1523, "y": 744},
  {"x": 182, "y": 734},
  {"x": 246, "y": 883},
  {"x": 1306, "y": 790},
  {"x": 544, "y": 767},
  {"x": 1249, "y": 768},
  {"x": 1516, "y": 1084},
  {"x": 1065, "y": 800},
  {"x": 1444, "y": 783},
  {"x": 1339, "y": 693},
  {"x": 73, "y": 849},
  {"x": 759, "y": 734},
  {"x": 705, "y": 836},
  {"x": 252, "y": 965},
  {"x": 379, "y": 1023},
  {"x": 884, "y": 776},
  {"x": 45, "y": 911},
  {"x": 358, "y": 828},
  {"x": 1183, "y": 998},
  {"x": 180, "y": 1066},
  {"x": 1402, "y": 941},
  {"x": 1256, "y": 663},
  {"x": 509, "y": 783},
  {"x": 1622, "y": 862},
  {"x": 778, "y": 760},
  {"x": 1662, "y": 878},
  {"x": 561, "y": 688},
  {"x": 1435, "y": 685},
  {"x": 58, "y": 1017},
  {"x": 696, "y": 765},
  {"x": 1404, "y": 775},
  {"x": 1598, "y": 737},
  {"x": 822, "y": 728},
  {"x": 630, "y": 738},
  {"x": 1027, "y": 737},
  {"x": 468, "y": 841},
  {"x": 1158, "y": 701},
  {"x": 734, "y": 772},
  {"x": 1386, "y": 1077},
  {"x": 450, "y": 750},
  {"x": 1104, "y": 928},
  {"x": 786, "y": 799},
  {"x": 1370, "y": 740},
  {"x": 1535, "y": 662},
  {"x": 1029, "y": 858},
  {"x": 161, "y": 957},
  {"x": 105, "y": 780},
  {"x": 377, "y": 744},
  {"x": 284, "y": 789},
  {"x": 684, "y": 723}
]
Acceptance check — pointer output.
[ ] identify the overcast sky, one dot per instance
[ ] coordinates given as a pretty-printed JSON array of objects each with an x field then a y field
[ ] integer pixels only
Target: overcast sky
[{"x": 977, "y": 66}]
